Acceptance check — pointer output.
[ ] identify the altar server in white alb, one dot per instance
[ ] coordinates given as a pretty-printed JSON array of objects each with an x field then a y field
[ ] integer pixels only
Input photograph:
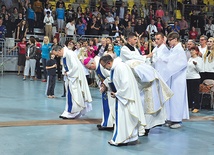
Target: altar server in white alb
[
  {"x": 161, "y": 50},
  {"x": 78, "y": 96},
  {"x": 108, "y": 103},
  {"x": 173, "y": 72},
  {"x": 154, "y": 93},
  {"x": 130, "y": 52},
  {"x": 129, "y": 114}
]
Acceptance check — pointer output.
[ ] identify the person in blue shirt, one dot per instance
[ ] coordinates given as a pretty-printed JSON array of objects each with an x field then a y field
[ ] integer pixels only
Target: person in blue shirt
[
  {"x": 46, "y": 49},
  {"x": 176, "y": 27},
  {"x": 30, "y": 18},
  {"x": 3, "y": 29},
  {"x": 60, "y": 13},
  {"x": 81, "y": 28}
]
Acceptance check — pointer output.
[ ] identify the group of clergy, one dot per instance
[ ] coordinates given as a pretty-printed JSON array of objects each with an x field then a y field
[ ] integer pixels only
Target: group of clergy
[{"x": 136, "y": 96}]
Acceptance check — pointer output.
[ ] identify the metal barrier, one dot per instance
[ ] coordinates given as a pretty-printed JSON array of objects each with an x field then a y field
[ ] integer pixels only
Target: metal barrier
[{"x": 77, "y": 38}]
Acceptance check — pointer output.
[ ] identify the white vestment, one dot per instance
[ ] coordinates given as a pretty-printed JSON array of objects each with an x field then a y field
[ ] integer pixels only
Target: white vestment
[
  {"x": 173, "y": 71},
  {"x": 78, "y": 96},
  {"x": 103, "y": 76},
  {"x": 154, "y": 92},
  {"x": 129, "y": 110},
  {"x": 127, "y": 54}
]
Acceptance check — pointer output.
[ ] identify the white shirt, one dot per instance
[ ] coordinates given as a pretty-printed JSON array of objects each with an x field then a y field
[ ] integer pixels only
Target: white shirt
[
  {"x": 193, "y": 70},
  {"x": 48, "y": 20},
  {"x": 70, "y": 29},
  {"x": 152, "y": 29}
]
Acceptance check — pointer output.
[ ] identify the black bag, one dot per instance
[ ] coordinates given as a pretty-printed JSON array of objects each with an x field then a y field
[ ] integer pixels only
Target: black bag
[
  {"x": 38, "y": 54},
  {"x": 206, "y": 101}
]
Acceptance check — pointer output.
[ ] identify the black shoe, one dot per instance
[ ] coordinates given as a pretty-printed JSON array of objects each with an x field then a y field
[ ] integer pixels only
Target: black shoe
[
  {"x": 62, "y": 117},
  {"x": 63, "y": 96},
  {"x": 104, "y": 128},
  {"x": 146, "y": 132}
]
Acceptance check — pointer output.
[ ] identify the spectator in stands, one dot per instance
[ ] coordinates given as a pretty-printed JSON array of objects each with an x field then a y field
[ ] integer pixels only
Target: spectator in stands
[
  {"x": 80, "y": 27},
  {"x": 58, "y": 59},
  {"x": 22, "y": 8},
  {"x": 88, "y": 13},
  {"x": 194, "y": 66},
  {"x": 134, "y": 11},
  {"x": 46, "y": 48},
  {"x": 22, "y": 47},
  {"x": 193, "y": 34},
  {"x": 60, "y": 13},
  {"x": 38, "y": 58},
  {"x": 48, "y": 21},
  {"x": 30, "y": 63},
  {"x": 102, "y": 48},
  {"x": 116, "y": 31},
  {"x": 96, "y": 11},
  {"x": 94, "y": 27},
  {"x": 18, "y": 20},
  {"x": 22, "y": 29},
  {"x": 134, "y": 21},
  {"x": 79, "y": 11},
  {"x": 202, "y": 21},
  {"x": 151, "y": 28},
  {"x": 128, "y": 29},
  {"x": 70, "y": 29},
  {"x": 125, "y": 21},
  {"x": 8, "y": 24},
  {"x": 113, "y": 11},
  {"x": 31, "y": 17},
  {"x": 190, "y": 44},
  {"x": 159, "y": 25},
  {"x": 38, "y": 8},
  {"x": 121, "y": 11},
  {"x": 176, "y": 27},
  {"x": 151, "y": 15},
  {"x": 203, "y": 45},
  {"x": 3, "y": 12},
  {"x": 166, "y": 29},
  {"x": 47, "y": 8},
  {"x": 105, "y": 27},
  {"x": 159, "y": 12},
  {"x": 171, "y": 21},
  {"x": 91, "y": 48},
  {"x": 208, "y": 60},
  {"x": 166, "y": 17},
  {"x": 14, "y": 15},
  {"x": 183, "y": 26},
  {"x": 60, "y": 2},
  {"x": 103, "y": 7},
  {"x": 110, "y": 51},
  {"x": 110, "y": 18},
  {"x": 194, "y": 19},
  {"x": 70, "y": 13},
  {"x": 209, "y": 28},
  {"x": 140, "y": 27}
]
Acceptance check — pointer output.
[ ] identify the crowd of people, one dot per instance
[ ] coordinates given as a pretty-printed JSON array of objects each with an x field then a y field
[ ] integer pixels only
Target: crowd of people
[
  {"x": 102, "y": 20},
  {"x": 143, "y": 83}
]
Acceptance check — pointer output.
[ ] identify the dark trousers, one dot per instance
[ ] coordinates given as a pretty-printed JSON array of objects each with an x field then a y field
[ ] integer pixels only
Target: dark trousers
[
  {"x": 44, "y": 61},
  {"x": 59, "y": 67},
  {"x": 193, "y": 93},
  {"x": 51, "y": 84},
  {"x": 38, "y": 70},
  {"x": 31, "y": 25}
]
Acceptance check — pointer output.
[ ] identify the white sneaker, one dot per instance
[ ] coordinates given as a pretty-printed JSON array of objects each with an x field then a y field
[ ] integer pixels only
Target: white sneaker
[{"x": 175, "y": 126}]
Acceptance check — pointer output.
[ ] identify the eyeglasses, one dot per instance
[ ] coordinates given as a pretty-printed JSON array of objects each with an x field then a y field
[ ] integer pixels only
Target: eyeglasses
[
  {"x": 171, "y": 39},
  {"x": 202, "y": 39},
  {"x": 104, "y": 66}
]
